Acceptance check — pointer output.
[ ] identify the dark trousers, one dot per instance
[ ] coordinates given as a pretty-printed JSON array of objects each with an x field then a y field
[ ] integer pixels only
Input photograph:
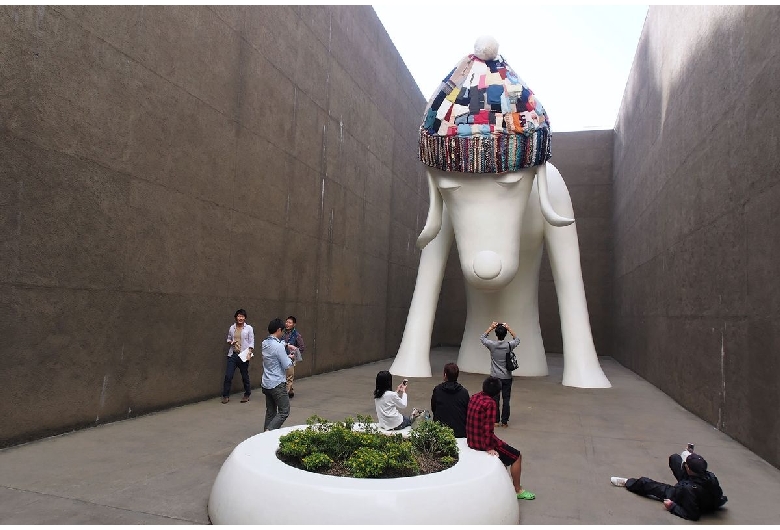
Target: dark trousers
[
  {"x": 277, "y": 406},
  {"x": 502, "y": 413},
  {"x": 234, "y": 362},
  {"x": 651, "y": 488}
]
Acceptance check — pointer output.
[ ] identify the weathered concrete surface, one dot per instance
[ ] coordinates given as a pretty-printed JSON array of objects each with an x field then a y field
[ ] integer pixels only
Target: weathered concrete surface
[
  {"x": 696, "y": 216},
  {"x": 162, "y": 166},
  {"x": 159, "y": 468}
]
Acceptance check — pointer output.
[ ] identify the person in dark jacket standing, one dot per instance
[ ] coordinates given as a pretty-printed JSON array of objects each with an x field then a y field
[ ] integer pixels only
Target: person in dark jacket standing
[
  {"x": 450, "y": 400},
  {"x": 697, "y": 490}
]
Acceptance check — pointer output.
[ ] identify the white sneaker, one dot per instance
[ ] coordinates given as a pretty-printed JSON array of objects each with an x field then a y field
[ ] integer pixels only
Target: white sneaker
[{"x": 618, "y": 481}]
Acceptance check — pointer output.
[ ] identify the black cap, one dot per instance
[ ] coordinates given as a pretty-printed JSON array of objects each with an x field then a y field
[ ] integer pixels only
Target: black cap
[{"x": 696, "y": 463}]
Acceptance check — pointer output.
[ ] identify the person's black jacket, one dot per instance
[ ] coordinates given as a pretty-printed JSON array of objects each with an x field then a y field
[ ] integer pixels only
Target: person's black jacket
[
  {"x": 449, "y": 402},
  {"x": 697, "y": 494}
]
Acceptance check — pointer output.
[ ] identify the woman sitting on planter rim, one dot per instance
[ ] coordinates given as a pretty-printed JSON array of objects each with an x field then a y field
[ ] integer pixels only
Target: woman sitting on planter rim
[{"x": 388, "y": 402}]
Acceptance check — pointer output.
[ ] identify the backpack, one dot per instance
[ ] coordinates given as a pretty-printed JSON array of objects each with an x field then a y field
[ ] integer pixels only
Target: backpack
[{"x": 511, "y": 360}]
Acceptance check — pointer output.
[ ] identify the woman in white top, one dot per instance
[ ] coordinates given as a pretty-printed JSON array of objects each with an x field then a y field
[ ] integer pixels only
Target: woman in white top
[{"x": 388, "y": 402}]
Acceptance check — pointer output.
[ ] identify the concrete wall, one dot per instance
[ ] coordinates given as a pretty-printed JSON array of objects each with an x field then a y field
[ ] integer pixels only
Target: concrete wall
[
  {"x": 584, "y": 158},
  {"x": 161, "y": 167},
  {"x": 697, "y": 216}
]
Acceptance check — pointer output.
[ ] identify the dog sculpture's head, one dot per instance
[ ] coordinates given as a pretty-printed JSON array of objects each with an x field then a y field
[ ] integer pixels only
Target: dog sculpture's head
[{"x": 485, "y": 136}]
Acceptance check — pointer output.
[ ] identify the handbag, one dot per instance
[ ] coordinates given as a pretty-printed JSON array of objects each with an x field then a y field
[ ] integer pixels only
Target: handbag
[{"x": 511, "y": 360}]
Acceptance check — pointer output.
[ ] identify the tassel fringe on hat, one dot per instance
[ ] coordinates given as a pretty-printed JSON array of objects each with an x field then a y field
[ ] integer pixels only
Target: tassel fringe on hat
[{"x": 484, "y": 119}]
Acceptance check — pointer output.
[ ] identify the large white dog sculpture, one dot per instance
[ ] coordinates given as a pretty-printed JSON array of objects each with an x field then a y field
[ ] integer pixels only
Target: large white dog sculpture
[{"x": 500, "y": 221}]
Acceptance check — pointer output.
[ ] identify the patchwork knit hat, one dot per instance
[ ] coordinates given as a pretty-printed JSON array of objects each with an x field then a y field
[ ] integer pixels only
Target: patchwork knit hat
[
  {"x": 483, "y": 118},
  {"x": 696, "y": 463}
]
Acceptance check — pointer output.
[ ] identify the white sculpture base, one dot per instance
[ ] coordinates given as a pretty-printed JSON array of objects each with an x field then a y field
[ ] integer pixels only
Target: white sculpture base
[{"x": 255, "y": 487}]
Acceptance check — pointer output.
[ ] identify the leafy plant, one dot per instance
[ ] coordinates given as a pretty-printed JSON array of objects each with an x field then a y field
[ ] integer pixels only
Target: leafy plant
[
  {"x": 366, "y": 462},
  {"x": 434, "y": 437},
  {"x": 356, "y": 448},
  {"x": 316, "y": 461}
]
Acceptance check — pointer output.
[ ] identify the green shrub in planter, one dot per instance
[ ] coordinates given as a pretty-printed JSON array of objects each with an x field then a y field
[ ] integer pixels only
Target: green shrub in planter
[
  {"x": 366, "y": 462},
  {"x": 434, "y": 437},
  {"x": 316, "y": 461},
  {"x": 333, "y": 448}
]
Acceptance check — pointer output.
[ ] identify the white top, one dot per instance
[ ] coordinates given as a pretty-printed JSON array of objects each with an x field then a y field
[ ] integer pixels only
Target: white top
[
  {"x": 247, "y": 337},
  {"x": 387, "y": 409}
]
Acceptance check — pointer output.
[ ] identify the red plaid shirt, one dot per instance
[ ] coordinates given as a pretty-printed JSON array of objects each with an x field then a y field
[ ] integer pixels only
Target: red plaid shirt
[{"x": 480, "y": 421}]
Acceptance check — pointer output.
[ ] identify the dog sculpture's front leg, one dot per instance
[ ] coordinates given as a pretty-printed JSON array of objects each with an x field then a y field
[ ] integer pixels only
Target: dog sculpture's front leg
[{"x": 413, "y": 358}]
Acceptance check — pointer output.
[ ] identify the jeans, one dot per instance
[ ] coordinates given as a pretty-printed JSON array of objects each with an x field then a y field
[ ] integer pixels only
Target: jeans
[
  {"x": 502, "y": 413},
  {"x": 407, "y": 422},
  {"x": 277, "y": 406},
  {"x": 234, "y": 362}
]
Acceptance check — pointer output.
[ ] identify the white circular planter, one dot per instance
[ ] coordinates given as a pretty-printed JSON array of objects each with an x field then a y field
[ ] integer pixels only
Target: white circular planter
[{"x": 255, "y": 487}]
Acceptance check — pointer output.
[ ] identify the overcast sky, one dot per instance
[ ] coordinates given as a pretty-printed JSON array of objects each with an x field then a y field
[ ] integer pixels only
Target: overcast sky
[{"x": 576, "y": 59}]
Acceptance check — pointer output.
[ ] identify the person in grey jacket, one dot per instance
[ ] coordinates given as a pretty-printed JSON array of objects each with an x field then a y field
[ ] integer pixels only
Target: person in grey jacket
[{"x": 498, "y": 350}]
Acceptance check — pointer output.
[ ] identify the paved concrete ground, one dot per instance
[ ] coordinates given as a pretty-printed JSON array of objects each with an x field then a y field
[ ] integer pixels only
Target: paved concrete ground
[{"x": 159, "y": 469}]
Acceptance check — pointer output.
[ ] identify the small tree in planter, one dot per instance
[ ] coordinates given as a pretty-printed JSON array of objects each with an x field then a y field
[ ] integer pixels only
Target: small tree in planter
[{"x": 337, "y": 448}]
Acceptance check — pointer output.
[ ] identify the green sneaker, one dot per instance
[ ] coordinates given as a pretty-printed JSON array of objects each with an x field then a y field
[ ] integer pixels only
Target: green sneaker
[{"x": 526, "y": 495}]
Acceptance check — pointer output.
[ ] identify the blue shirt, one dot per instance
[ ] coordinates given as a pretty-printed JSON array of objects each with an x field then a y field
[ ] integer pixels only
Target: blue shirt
[{"x": 275, "y": 363}]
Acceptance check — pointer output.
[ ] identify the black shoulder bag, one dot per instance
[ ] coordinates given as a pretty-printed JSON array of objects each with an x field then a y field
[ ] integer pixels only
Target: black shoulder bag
[{"x": 511, "y": 360}]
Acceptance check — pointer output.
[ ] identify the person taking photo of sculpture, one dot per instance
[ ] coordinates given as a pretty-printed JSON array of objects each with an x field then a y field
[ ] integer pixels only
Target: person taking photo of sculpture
[
  {"x": 697, "y": 490},
  {"x": 388, "y": 402},
  {"x": 498, "y": 369}
]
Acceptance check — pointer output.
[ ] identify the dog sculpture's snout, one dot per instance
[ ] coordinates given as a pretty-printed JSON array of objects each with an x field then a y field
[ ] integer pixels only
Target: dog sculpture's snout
[{"x": 487, "y": 265}]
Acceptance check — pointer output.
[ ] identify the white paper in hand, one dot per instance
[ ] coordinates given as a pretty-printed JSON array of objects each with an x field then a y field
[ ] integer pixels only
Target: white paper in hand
[
  {"x": 296, "y": 351},
  {"x": 244, "y": 355}
]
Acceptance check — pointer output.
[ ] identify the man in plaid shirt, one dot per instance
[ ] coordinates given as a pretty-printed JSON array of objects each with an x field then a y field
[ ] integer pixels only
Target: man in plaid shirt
[{"x": 480, "y": 435}]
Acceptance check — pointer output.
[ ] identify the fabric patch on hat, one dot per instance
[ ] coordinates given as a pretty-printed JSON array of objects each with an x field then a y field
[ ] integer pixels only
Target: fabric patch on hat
[
  {"x": 453, "y": 95},
  {"x": 494, "y": 93},
  {"x": 476, "y": 101},
  {"x": 494, "y": 78},
  {"x": 437, "y": 101},
  {"x": 482, "y": 117},
  {"x": 464, "y": 129},
  {"x": 444, "y": 109},
  {"x": 505, "y": 106},
  {"x": 458, "y": 109}
]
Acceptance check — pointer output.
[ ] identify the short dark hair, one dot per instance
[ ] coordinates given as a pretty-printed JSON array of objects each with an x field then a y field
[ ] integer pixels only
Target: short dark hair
[
  {"x": 293, "y": 319},
  {"x": 384, "y": 382},
  {"x": 492, "y": 386},
  {"x": 451, "y": 371},
  {"x": 275, "y": 325},
  {"x": 696, "y": 464},
  {"x": 500, "y": 332},
  {"x": 240, "y": 312}
]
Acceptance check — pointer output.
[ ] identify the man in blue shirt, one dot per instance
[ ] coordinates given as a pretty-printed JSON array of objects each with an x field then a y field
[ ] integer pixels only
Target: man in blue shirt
[{"x": 276, "y": 361}]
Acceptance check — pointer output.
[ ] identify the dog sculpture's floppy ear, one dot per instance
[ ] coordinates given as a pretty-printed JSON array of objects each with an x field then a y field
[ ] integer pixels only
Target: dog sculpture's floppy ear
[
  {"x": 544, "y": 199},
  {"x": 433, "y": 222}
]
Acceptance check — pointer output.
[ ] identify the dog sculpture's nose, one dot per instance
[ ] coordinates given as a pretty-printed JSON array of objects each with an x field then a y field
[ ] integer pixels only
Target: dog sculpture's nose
[{"x": 487, "y": 264}]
